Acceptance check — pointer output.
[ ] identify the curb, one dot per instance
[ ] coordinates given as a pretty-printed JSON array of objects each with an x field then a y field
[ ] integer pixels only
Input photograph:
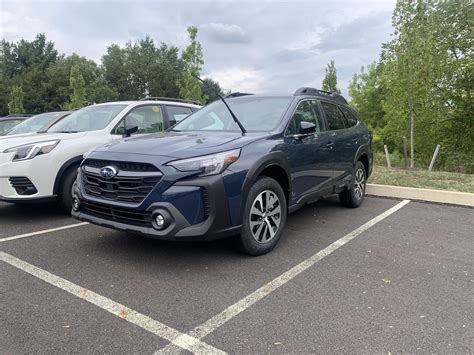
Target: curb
[{"x": 414, "y": 193}]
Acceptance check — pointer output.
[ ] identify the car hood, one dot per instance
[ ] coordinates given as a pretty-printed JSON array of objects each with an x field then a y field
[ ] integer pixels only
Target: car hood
[
  {"x": 180, "y": 144},
  {"x": 16, "y": 140}
]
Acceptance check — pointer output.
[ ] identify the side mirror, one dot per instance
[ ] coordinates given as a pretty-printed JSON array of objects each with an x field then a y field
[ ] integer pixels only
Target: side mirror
[
  {"x": 126, "y": 131},
  {"x": 307, "y": 128}
]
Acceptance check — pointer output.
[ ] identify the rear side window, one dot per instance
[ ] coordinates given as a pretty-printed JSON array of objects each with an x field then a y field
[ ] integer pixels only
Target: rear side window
[
  {"x": 350, "y": 117},
  {"x": 334, "y": 116},
  {"x": 306, "y": 111},
  {"x": 148, "y": 119},
  {"x": 177, "y": 113}
]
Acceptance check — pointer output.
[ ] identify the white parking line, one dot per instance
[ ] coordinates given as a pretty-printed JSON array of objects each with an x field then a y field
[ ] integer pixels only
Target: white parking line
[
  {"x": 26, "y": 235},
  {"x": 230, "y": 312},
  {"x": 177, "y": 338}
]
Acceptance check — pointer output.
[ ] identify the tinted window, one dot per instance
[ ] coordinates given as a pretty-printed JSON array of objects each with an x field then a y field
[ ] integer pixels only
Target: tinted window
[
  {"x": 334, "y": 116},
  {"x": 90, "y": 118},
  {"x": 350, "y": 117},
  {"x": 148, "y": 119},
  {"x": 306, "y": 111},
  {"x": 177, "y": 113},
  {"x": 255, "y": 114}
]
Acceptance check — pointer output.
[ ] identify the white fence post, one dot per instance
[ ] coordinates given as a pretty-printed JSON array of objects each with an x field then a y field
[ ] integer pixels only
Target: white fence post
[
  {"x": 435, "y": 154},
  {"x": 387, "y": 156}
]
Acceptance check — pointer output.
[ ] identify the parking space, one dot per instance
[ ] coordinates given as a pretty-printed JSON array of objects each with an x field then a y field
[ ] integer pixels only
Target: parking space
[{"x": 404, "y": 283}]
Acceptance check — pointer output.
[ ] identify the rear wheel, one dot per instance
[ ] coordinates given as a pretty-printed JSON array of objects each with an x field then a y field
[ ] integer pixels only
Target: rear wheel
[
  {"x": 264, "y": 217},
  {"x": 65, "y": 189},
  {"x": 354, "y": 195}
]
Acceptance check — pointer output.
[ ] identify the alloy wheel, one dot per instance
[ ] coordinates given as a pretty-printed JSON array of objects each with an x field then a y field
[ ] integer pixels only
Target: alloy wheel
[
  {"x": 359, "y": 184},
  {"x": 265, "y": 216}
]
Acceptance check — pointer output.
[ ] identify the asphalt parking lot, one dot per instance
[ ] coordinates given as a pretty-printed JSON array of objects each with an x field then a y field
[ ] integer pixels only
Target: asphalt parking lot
[{"x": 387, "y": 277}]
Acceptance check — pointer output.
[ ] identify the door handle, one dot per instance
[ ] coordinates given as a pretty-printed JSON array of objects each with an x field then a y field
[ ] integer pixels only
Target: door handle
[{"x": 330, "y": 145}]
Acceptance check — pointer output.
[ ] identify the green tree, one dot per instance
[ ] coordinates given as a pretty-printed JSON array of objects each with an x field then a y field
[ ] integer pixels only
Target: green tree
[
  {"x": 15, "y": 106},
  {"x": 367, "y": 93},
  {"x": 78, "y": 89},
  {"x": 189, "y": 85},
  {"x": 330, "y": 79},
  {"x": 209, "y": 89}
]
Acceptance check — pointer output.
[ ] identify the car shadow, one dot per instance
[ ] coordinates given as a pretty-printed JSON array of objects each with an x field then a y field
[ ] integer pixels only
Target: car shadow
[{"x": 32, "y": 212}]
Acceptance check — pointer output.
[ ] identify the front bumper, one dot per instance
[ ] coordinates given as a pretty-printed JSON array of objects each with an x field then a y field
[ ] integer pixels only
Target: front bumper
[
  {"x": 215, "y": 224},
  {"x": 40, "y": 171}
]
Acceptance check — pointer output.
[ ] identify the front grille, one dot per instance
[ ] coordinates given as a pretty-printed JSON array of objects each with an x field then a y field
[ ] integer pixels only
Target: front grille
[
  {"x": 130, "y": 185},
  {"x": 126, "y": 166},
  {"x": 22, "y": 185},
  {"x": 123, "y": 215}
]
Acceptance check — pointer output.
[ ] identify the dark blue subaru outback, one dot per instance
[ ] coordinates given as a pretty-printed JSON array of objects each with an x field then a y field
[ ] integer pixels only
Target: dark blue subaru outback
[{"x": 236, "y": 167}]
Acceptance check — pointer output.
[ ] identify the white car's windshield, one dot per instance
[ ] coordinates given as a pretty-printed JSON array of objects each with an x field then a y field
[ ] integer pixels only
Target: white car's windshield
[
  {"x": 35, "y": 123},
  {"x": 255, "y": 113},
  {"x": 91, "y": 118}
]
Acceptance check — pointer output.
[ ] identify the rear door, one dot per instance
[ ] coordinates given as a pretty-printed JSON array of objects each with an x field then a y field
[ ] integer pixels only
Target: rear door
[{"x": 341, "y": 140}]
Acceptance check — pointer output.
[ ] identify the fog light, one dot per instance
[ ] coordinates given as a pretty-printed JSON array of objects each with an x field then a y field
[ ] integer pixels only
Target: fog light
[
  {"x": 159, "y": 220},
  {"x": 76, "y": 204}
]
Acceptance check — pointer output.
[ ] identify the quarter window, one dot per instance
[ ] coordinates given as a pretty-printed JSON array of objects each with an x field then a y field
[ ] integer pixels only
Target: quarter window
[
  {"x": 334, "y": 116},
  {"x": 350, "y": 117},
  {"x": 148, "y": 119},
  {"x": 306, "y": 111}
]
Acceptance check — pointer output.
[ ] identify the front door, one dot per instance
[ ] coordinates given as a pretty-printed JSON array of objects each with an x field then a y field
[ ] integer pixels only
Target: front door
[{"x": 310, "y": 168}]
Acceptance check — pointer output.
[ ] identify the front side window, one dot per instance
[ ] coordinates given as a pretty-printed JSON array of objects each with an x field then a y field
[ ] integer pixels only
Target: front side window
[
  {"x": 148, "y": 119},
  {"x": 334, "y": 116},
  {"x": 90, "y": 118},
  {"x": 257, "y": 114},
  {"x": 350, "y": 117},
  {"x": 306, "y": 111},
  {"x": 177, "y": 113}
]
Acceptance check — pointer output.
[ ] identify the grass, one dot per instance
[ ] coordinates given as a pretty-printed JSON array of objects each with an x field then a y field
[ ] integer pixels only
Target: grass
[{"x": 438, "y": 180}]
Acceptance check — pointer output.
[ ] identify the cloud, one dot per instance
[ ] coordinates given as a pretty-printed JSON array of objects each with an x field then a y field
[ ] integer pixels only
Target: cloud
[
  {"x": 239, "y": 79},
  {"x": 264, "y": 46},
  {"x": 224, "y": 33}
]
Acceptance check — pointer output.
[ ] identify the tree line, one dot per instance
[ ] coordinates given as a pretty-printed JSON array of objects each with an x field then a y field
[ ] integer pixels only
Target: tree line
[
  {"x": 421, "y": 87},
  {"x": 35, "y": 78}
]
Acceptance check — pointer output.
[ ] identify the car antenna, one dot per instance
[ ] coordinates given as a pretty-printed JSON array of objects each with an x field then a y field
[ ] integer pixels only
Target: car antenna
[{"x": 225, "y": 103}]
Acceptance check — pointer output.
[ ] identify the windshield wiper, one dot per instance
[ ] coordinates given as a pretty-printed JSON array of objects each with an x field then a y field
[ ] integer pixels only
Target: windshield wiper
[
  {"x": 66, "y": 131},
  {"x": 234, "y": 117}
]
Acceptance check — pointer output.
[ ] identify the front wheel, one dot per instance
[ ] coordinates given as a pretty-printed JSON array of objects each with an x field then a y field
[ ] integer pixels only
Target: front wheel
[
  {"x": 354, "y": 195},
  {"x": 65, "y": 190},
  {"x": 264, "y": 217}
]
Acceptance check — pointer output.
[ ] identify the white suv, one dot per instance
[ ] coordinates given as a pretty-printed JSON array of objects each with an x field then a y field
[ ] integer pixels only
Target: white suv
[{"x": 43, "y": 166}]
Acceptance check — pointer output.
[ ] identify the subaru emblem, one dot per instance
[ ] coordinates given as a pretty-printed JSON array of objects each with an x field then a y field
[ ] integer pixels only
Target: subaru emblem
[{"x": 108, "y": 172}]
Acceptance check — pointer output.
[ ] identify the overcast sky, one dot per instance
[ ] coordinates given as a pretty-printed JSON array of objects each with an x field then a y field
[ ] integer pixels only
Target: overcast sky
[{"x": 256, "y": 46}]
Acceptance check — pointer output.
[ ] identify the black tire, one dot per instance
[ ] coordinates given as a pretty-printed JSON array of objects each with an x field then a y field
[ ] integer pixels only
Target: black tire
[
  {"x": 65, "y": 189},
  {"x": 270, "y": 190},
  {"x": 354, "y": 195}
]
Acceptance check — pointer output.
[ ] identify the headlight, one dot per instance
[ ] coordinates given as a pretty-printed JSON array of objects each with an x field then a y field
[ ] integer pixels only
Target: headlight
[
  {"x": 207, "y": 164},
  {"x": 29, "y": 151}
]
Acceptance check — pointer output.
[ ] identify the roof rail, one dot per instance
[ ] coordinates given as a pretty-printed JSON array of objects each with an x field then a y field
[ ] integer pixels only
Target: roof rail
[
  {"x": 149, "y": 98},
  {"x": 236, "y": 94},
  {"x": 320, "y": 93}
]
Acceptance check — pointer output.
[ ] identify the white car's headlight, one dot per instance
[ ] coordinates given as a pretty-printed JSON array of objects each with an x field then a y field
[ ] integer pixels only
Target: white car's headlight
[
  {"x": 207, "y": 164},
  {"x": 29, "y": 151}
]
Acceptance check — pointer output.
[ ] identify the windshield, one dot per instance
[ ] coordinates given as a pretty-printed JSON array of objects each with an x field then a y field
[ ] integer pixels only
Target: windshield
[
  {"x": 255, "y": 114},
  {"x": 90, "y": 118},
  {"x": 6, "y": 125},
  {"x": 35, "y": 123}
]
